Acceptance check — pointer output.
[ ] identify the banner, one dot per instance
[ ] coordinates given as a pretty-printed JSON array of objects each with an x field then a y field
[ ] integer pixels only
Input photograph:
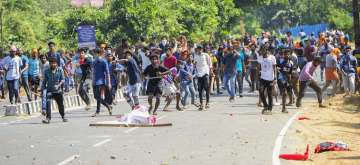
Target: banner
[{"x": 86, "y": 36}]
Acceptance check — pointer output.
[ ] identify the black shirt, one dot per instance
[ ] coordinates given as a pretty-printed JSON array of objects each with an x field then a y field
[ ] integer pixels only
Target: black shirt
[{"x": 152, "y": 72}]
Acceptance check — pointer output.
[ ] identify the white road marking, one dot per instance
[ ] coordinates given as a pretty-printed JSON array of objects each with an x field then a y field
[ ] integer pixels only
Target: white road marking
[
  {"x": 101, "y": 143},
  {"x": 279, "y": 139},
  {"x": 135, "y": 128},
  {"x": 130, "y": 130},
  {"x": 69, "y": 159}
]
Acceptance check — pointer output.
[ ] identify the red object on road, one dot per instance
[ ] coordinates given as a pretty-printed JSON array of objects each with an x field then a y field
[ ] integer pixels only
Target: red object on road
[
  {"x": 302, "y": 157},
  {"x": 331, "y": 146},
  {"x": 303, "y": 118}
]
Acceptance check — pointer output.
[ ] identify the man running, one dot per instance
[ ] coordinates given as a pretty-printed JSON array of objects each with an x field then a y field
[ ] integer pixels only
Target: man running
[
  {"x": 101, "y": 81},
  {"x": 53, "y": 80},
  {"x": 286, "y": 68},
  {"x": 155, "y": 71},
  {"x": 132, "y": 91},
  {"x": 267, "y": 67}
]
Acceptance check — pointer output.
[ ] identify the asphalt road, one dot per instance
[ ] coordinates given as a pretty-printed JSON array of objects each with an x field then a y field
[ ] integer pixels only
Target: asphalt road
[{"x": 226, "y": 134}]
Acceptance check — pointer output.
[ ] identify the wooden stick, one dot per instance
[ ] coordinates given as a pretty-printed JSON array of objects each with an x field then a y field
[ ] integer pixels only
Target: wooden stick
[{"x": 128, "y": 125}]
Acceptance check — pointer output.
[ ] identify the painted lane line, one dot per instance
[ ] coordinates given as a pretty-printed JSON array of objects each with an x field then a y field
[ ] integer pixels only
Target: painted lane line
[
  {"x": 130, "y": 130},
  {"x": 69, "y": 159},
  {"x": 135, "y": 128},
  {"x": 102, "y": 143},
  {"x": 279, "y": 139}
]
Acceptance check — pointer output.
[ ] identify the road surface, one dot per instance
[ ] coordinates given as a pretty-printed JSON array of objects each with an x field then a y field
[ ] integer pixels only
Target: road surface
[{"x": 228, "y": 133}]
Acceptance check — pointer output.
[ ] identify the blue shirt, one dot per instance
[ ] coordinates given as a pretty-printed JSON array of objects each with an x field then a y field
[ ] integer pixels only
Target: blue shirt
[
  {"x": 55, "y": 55},
  {"x": 25, "y": 61},
  {"x": 240, "y": 62},
  {"x": 348, "y": 63},
  {"x": 34, "y": 67},
  {"x": 133, "y": 71},
  {"x": 230, "y": 61},
  {"x": 101, "y": 71},
  {"x": 52, "y": 79},
  {"x": 114, "y": 69}
]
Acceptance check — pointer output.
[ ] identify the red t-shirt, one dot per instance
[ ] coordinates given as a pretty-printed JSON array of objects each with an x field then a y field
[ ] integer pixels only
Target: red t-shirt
[{"x": 170, "y": 62}]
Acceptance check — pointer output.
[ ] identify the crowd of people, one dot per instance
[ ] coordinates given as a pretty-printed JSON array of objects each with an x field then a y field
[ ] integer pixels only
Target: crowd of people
[{"x": 177, "y": 69}]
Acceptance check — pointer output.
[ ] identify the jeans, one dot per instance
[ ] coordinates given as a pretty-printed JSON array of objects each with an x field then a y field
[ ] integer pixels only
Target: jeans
[
  {"x": 69, "y": 81},
  {"x": 25, "y": 84},
  {"x": 267, "y": 86},
  {"x": 43, "y": 101},
  {"x": 185, "y": 89},
  {"x": 203, "y": 85},
  {"x": 131, "y": 93},
  {"x": 314, "y": 86},
  {"x": 229, "y": 82},
  {"x": 240, "y": 80},
  {"x": 349, "y": 82},
  {"x": 59, "y": 99},
  {"x": 13, "y": 87}
]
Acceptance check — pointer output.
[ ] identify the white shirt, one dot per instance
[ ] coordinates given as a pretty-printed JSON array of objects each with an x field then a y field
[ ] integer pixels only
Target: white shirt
[
  {"x": 267, "y": 69},
  {"x": 13, "y": 67},
  {"x": 202, "y": 64}
]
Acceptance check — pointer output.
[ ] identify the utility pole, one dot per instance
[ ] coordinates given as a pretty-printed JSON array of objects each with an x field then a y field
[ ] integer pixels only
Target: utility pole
[{"x": 356, "y": 22}]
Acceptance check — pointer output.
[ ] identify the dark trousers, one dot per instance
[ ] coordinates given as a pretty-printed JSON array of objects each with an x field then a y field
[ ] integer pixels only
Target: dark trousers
[
  {"x": 25, "y": 84},
  {"x": 203, "y": 85},
  {"x": 59, "y": 99},
  {"x": 240, "y": 80},
  {"x": 13, "y": 87},
  {"x": 99, "y": 94},
  {"x": 84, "y": 92},
  {"x": 34, "y": 83},
  {"x": 254, "y": 79},
  {"x": 314, "y": 86},
  {"x": 111, "y": 94},
  {"x": 268, "y": 87}
]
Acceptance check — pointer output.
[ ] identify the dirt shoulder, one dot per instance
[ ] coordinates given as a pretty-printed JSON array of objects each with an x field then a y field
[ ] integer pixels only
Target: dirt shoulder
[{"x": 339, "y": 122}]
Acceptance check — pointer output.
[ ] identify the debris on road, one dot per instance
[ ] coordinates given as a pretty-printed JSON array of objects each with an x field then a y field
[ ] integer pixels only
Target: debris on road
[
  {"x": 303, "y": 118},
  {"x": 302, "y": 157},
  {"x": 139, "y": 115},
  {"x": 112, "y": 157},
  {"x": 331, "y": 146},
  {"x": 120, "y": 124}
]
